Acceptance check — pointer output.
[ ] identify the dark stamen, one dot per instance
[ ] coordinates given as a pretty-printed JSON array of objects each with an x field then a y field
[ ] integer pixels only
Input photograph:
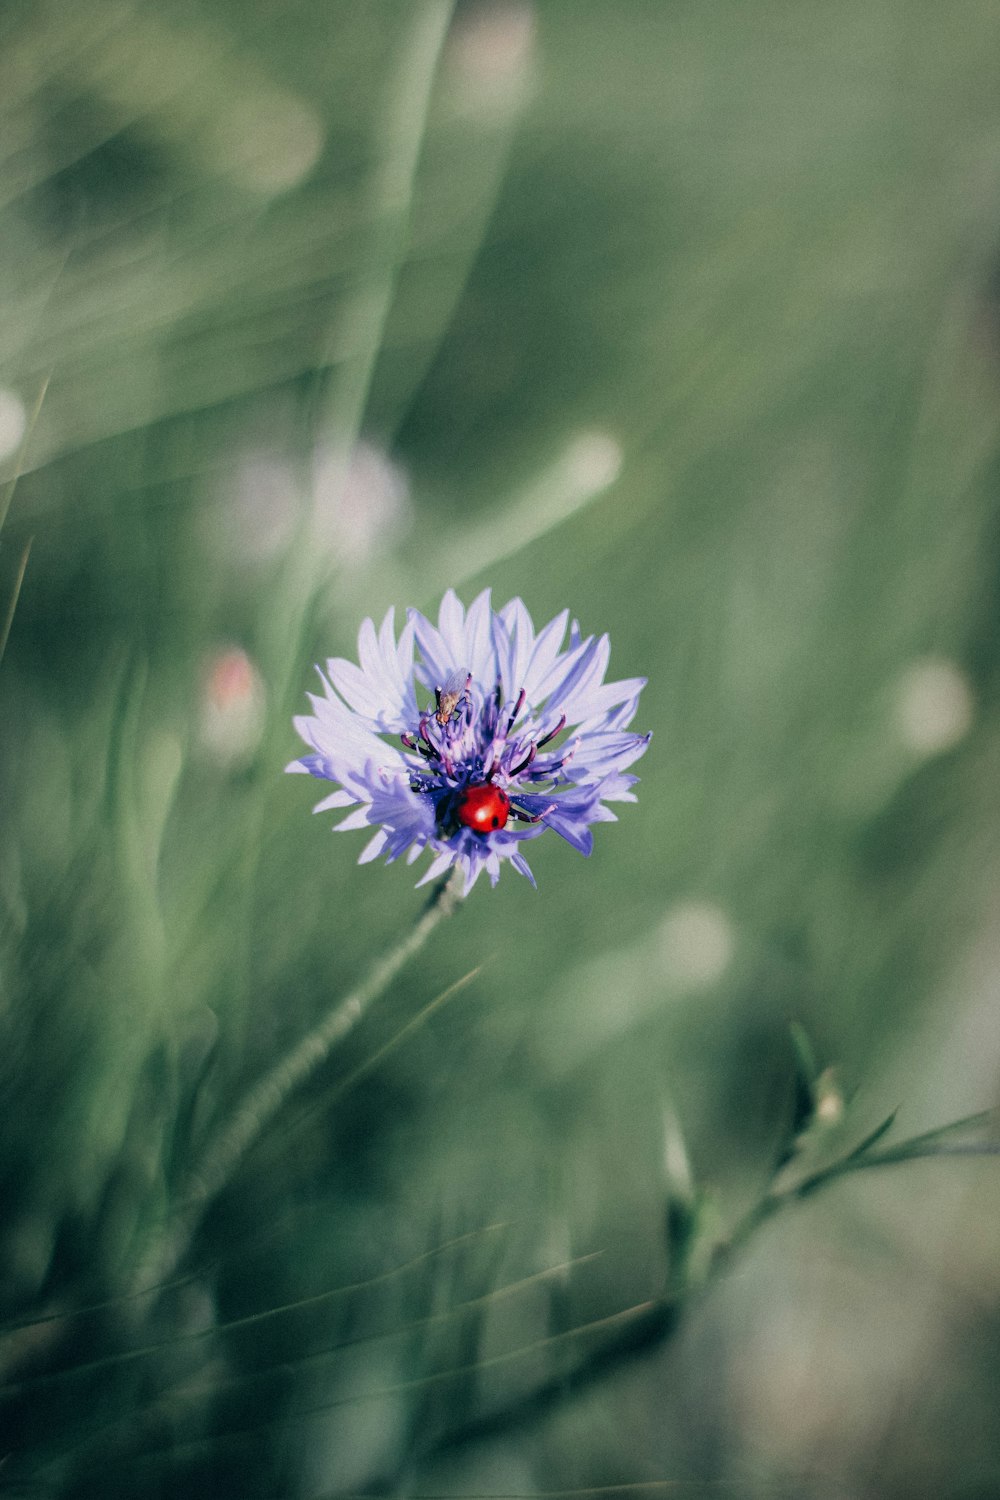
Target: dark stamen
[
  {"x": 557, "y": 765},
  {"x": 516, "y": 770},
  {"x": 517, "y": 709},
  {"x": 426, "y": 738},
  {"x": 552, "y": 732}
]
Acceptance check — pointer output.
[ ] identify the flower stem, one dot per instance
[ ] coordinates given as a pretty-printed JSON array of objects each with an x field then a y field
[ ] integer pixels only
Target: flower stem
[{"x": 265, "y": 1099}]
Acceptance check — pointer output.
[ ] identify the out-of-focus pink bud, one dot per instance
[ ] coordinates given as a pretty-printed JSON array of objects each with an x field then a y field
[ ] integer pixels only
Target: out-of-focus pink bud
[{"x": 232, "y": 707}]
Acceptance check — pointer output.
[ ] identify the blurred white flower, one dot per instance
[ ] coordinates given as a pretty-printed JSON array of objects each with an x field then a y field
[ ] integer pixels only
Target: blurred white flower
[
  {"x": 13, "y": 421},
  {"x": 593, "y": 461},
  {"x": 355, "y": 509},
  {"x": 356, "y": 513},
  {"x": 489, "y": 58},
  {"x": 933, "y": 706},
  {"x": 267, "y": 142},
  {"x": 696, "y": 944},
  {"x": 232, "y": 706}
]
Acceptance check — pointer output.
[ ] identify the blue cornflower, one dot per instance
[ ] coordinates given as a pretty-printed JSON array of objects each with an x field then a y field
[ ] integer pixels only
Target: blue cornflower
[{"x": 499, "y": 734}]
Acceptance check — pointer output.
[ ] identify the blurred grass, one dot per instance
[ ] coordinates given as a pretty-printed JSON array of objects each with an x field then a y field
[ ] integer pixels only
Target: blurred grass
[{"x": 752, "y": 251}]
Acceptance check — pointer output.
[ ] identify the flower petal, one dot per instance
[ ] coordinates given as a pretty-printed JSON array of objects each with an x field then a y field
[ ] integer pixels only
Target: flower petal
[{"x": 414, "y": 798}]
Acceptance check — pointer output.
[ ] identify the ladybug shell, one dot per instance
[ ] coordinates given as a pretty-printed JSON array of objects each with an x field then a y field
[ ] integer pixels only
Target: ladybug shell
[{"x": 483, "y": 808}]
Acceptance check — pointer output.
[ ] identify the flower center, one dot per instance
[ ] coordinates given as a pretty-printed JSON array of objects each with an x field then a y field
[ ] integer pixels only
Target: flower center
[{"x": 471, "y": 753}]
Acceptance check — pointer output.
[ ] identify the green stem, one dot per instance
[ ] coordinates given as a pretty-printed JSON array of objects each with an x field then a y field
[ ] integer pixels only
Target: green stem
[
  {"x": 7, "y": 489},
  {"x": 932, "y": 1143},
  {"x": 290, "y": 1072},
  {"x": 247, "y": 1124},
  {"x": 8, "y": 619}
]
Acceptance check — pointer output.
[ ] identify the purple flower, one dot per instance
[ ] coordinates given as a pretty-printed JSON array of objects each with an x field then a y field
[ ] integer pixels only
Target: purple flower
[{"x": 496, "y": 734}]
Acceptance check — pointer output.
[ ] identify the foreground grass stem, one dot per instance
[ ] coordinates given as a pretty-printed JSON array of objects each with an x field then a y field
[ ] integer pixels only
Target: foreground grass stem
[{"x": 264, "y": 1100}]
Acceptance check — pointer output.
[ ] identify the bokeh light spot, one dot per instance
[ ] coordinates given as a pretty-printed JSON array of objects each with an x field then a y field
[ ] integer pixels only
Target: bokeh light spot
[
  {"x": 696, "y": 943},
  {"x": 268, "y": 144},
  {"x": 357, "y": 512},
  {"x": 593, "y": 461},
  {"x": 13, "y": 421},
  {"x": 489, "y": 57},
  {"x": 934, "y": 706}
]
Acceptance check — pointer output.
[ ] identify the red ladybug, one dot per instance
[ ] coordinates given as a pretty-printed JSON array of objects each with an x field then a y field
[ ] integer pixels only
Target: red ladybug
[{"x": 482, "y": 808}]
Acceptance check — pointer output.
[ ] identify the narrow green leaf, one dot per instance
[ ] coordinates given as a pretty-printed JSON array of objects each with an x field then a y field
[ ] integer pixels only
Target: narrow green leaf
[
  {"x": 7, "y": 489},
  {"x": 873, "y": 1136},
  {"x": 15, "y": 594}
]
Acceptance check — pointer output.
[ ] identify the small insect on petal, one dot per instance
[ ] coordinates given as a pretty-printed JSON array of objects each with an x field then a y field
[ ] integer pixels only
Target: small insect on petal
[{"x": 448, "y": 697}]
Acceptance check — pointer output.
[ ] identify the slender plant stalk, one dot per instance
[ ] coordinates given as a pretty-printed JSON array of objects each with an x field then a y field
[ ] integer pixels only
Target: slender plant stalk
[
  {"x": 6, "y": 496},
  {"x": 226, "y": 1151},
  {"x": 290, "y": 1072},
  {"x": 8, "y": 488},
  {"x": 360, "y": 325},
  {"x": 8, "y": 619}
]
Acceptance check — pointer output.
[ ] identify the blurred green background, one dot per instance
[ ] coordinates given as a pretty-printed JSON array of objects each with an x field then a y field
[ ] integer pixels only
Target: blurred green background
[{"x": 686, "y": 317}]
